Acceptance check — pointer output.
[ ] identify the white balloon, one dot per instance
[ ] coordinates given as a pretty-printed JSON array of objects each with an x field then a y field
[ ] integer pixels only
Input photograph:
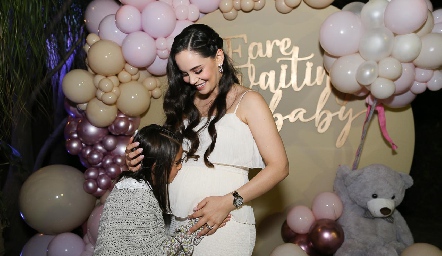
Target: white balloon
[
  {"x": 427, "y": 27},
  {"x": 430, "y": 56},
  {"x": 376, "y": 44},
  {"x": 367, "y": 72},
  {"x": 406, "y": 47},
  {"x": 382, "y": 88},
  {"x": 354, "y": 7},
  {"x": 288, "y": 249},
  {"x": 390, "y": 68},
  {"x": 372, "y": 14}
]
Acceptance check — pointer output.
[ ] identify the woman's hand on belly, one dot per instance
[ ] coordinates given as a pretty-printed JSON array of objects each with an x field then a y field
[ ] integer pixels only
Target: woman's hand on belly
[{"x": 213, "y": 212}]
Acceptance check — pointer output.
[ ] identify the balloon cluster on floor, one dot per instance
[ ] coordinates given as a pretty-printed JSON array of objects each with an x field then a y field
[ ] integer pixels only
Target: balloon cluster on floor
[
  {"x": 391, "y": 50},
  {"x": 313, "y": 230}
]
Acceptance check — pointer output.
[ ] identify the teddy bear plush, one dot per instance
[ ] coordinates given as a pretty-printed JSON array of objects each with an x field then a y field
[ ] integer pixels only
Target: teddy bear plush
[{"x": 371, "y": 223}]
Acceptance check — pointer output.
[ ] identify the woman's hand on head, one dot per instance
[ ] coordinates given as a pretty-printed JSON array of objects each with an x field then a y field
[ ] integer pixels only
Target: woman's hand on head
[
  {"x": 213, "y": 213},
  {"x": 133, "y": 155}
]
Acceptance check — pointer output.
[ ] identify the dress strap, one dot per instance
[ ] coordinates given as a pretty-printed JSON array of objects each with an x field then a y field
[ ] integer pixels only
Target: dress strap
[{"x": 240, "y": 99}]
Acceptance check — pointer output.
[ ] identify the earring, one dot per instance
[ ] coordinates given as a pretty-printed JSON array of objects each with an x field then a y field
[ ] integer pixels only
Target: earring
[{"x": 220, "y": 68}]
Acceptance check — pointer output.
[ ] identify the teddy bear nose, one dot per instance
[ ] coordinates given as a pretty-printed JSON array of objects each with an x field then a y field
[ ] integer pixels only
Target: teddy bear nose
[{"x": 385, "y": 211}]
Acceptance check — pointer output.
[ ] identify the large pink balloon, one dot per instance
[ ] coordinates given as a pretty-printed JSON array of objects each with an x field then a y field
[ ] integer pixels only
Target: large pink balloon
[
  {"x": 92, "y": 223},
  {"x": 340, "y": 33},
  {"x": 108, "y": 30},
  {"x": 139, "y": 49},
  {"x": 405, "y": 16},
  {"x": 66, "y": 244},
  {"x": 327, "y": 205},
  {"x": 128, "y": 19},
  {"x": 158, "y": 19},
  {"x": 300, "y": 218},
  {"x": 158, "y": 67},
  {"x": 37, "y": 245},
  {"x": 96, "y": 11},
  {"x": 206, "y": 6}
]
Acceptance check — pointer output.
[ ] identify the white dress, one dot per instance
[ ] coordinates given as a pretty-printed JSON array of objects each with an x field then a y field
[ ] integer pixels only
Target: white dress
[{"x": 235, "y": 152}]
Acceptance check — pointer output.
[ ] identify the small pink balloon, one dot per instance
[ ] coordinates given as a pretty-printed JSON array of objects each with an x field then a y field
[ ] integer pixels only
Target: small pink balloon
[
  {"x": 93, "y": 222},
  {"x": 90, "y": 186},
  {"x": 128, "y": 19},
  {"x": 66, "y": 244},
  {"x": 113, "y": 170},
  {"x": 104, "y": 181},
  {"x": 109, "y": 142},
  {"x": 327, "y": 205},
  {"x": 435, "y": 82},
  {"x": 300, "y": 218},
  {"x": 206, "y": 6},
  {"x": 405, "y": 16},
  {"x": 74, "y": 146},
  {"x": 158, "y": 19},
  {"x": 437, "y": 16},
  {"x": 108, "y": 30},
  {"x": 194, "y": 12},
  {"x": 423, "y": 75},
  {"x": 418, "y": 88}
]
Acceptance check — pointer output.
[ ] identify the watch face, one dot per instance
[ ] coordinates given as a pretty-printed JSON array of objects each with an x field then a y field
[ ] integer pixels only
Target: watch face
[{"x": 238, "y": 201}]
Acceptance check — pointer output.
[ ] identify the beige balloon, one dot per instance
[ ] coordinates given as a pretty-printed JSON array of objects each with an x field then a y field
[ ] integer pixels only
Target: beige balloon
[
  {"x": 109, "y": 98},
  {"x": 259, "y": 5},
  {"x": 97, "y": 79},
  {"x": 114, "y": 80},
  {"x": 105, "y": 85},
  {"x": 52, "y": 200},
  {"x": 292, "y": 3},
  {"x": 106, "y": 58},
  {"x": 247, "y": 5},
  {"x": 78, "y": 86},
  {"x": 157, "y": 93},
  {"x": 99, "y": 114},
  {"x": 225, "y": 5},
  {"x": 427, "y": 26},
  {"x": 282, "y": 7},
  {"x": 134, "y": 99},
  {"x": 92, "y": 38},
  {"x": 130, "y": 69},
  {"x": 421, "y": 249},
  {"x": 390, "y": 68},
  {"x": 231, "y": 15},
  {"x": 99, "y": 93},
  {"x": 318, "y": 4},
  {"x": 430, "y": 56},
  {"x": 237, "y": 5},
  {"x": 124, "y": 76},
  {"x": 150, "y": 83},
  {"x": 406, "y": 47}
]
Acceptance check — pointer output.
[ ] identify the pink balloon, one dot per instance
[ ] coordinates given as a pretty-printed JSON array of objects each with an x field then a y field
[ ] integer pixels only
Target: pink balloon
[
  {"x": 109, "y": 142},
  {"x": 120, "y": 149},
  {"x": 108, "y": 30},
  {"x": 340, "y": 33},
  {"x": 326, "y": 236},
  {"x": 399, "y": 101},
  {"x": 139, "y": 4},
  {"x": 405, "y": 16},
  {"x": 343, "y": 73},
  {"x": 128, "y": 19},
  {"x": 194, "y": 13},
  {"x": 327, "y": 205},
  {"x": 418, "y": 88},
  {"x": 304, "y": 242},
  {"x": 206, "y": 6},
  {"x": 139, "y": 49},
  {"x": 328, "y": 61},
  {"x": 90, "y": 134},
  {"x": 158, "y": 19},
  {"x": 66, "y": 244},
  {"x": 93, "y": 222},
  {"x": 435, "y": 82},
  {"x": 91, "y": 173},
  {"x": 405, "y": 81},
  {"x": 96, "y": 11},
  {"x": 181, "y": 12},
  {"x": 300, "y": 218},
  {"x": 423, "y": 75},
  {"x": 158, "y": 67},
  {"x": 37, "y": 245},
  {"x": 74, "y": 146}
]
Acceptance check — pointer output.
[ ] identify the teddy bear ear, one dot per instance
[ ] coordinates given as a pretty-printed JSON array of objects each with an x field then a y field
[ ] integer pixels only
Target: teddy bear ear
[
  {"x": 408, "y": 180},
  {"x": 351, "y": 176}
]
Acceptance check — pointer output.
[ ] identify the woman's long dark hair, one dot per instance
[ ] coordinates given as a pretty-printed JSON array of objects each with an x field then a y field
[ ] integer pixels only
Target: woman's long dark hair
[
  {"x": 160, "y": 147},
  {"x": 179, "y": 99}
]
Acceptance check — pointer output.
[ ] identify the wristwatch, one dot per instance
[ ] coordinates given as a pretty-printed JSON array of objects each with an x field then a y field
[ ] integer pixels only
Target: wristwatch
[{"x": 237, "y": 199}]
